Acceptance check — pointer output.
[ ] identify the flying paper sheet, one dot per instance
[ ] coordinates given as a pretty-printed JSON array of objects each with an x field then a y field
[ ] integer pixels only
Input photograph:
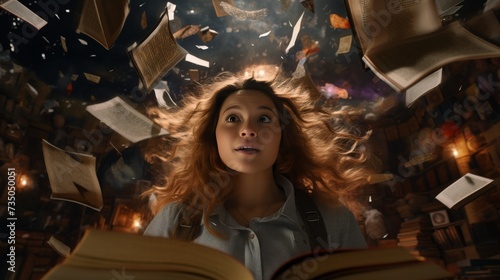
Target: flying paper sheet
[
  {"x": 72, "y": 176},
  {"x": 296, "y": 30},
  {"x": 125, "y": 120},
  {"x": 193, "y": 59},
  {"x": 21, "y": 11}
]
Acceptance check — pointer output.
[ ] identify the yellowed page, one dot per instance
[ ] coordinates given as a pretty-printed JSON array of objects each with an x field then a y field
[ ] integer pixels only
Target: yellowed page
[
  {"x": 103, "y": 20},
  {"x": 157, "y": 54},
  {"x": 125, "y": 120},
  {"x": 18, "y": 9},
  {"x": 402, "y": 65},
  {"x": 100, "y": 252},
  {"x": 72, "y": 176},
  {"x": 379, "y": 22}
]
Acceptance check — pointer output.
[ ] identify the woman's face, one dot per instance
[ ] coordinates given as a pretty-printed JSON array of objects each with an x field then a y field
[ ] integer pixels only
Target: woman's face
[{"x": 248, "y": 132}]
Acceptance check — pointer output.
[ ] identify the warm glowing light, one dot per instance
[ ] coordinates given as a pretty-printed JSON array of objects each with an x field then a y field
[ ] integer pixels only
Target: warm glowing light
[
  {"x": 137, "y": 224},
  {"x": 25, "y": 182},
  {"x": 261, "y": 71},
  {"x": 370, "y": 198},
  {"x": 455, "y": 152}
]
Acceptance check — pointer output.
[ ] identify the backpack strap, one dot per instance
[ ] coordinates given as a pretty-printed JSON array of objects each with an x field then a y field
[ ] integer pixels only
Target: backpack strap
[
  {"x": 311, "y": 216},
  {"x": 188, "y": 229}
]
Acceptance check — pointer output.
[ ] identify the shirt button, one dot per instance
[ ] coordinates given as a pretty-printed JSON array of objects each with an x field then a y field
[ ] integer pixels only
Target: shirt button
[{"x": 251, "y": 236}]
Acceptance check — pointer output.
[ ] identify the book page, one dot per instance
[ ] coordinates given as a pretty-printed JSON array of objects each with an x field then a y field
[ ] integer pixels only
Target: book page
[
  {"x": 125, "y": 120},
  {"x": 486, "y": 25},
  {"x": 89, "y": 23},
  {"x": 103, "y": 20},
  {"x": 61, "y": 248},
  {"x": 402, "y": 65},
  {"x": 344, "y": 44},
  {"x": 72, "y": 176},
  {"x": 21, "y": 11},
  {"x": 157, "y": 54},
  {"x": 423, "y": 86},
  {"x": 464, "y": 190},
  {"x": 113, "y": 15},
  {"x": 379, "y": 22},
  {"x": 443, "y": 6},
  {"x": 100, "y": 251},
  {"x": 385, "y": 263}
]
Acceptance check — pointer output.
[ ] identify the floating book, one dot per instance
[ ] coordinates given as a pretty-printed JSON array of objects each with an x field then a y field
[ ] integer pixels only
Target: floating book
[
  {"x": 157, "y": 54},
  {"x": 104, "y": 254},
  {"x": 125, "y": 120},
  {"x": 72, "y": 176},
  {"x": 103, "y": 20},
  {"x": 464, "y": 190},
  {"x": 404, "y": 43}
]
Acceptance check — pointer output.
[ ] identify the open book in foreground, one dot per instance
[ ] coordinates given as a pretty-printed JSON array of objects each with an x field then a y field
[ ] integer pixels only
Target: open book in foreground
[
  {"x": 107, "y": 254},
  {"x": 404, "y": 42},
  {"x": 464, "y": 190},
  {"x": 125, "y": 120},
  {"x": 72, "y": 176}
]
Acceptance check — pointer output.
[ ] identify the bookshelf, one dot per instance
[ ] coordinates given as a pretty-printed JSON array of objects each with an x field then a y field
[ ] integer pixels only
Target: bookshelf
[{"x": 456, "y": 137}]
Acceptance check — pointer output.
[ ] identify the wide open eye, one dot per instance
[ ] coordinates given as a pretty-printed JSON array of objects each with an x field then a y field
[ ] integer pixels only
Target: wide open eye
[
  {"x": 232, "y": 118},
  {"x": 265, "y": 119}
]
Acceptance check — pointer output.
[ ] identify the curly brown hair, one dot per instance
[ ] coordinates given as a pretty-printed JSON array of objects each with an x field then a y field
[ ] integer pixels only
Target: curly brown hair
[{"x": 321, "y": 147}]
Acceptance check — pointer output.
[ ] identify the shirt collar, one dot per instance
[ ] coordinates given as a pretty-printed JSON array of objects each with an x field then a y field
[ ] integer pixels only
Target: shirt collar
[{"x": 289, "y": 209}]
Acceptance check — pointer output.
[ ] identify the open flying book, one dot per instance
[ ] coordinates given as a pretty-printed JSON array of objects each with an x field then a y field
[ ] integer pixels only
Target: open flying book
[
  {"x": 107, "y": 254},
  {"x": 72, "y": 176},
  {"x": 103, "y": 20},
  {"x": 403, "y": 42},
  {"x": 125, "y": 120},
  {"x": 464, "y": 190},
  {"x": 156, "y": 54}
]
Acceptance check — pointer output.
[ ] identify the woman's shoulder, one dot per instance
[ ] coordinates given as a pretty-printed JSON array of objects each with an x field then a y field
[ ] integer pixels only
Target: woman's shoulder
[
  {"x": 172, "y": 208},
  {"x": 165, "y": 220}
]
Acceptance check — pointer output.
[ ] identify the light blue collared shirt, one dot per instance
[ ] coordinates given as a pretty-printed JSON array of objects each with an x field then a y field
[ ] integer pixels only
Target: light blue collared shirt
[{"x": 270, "y": 241}]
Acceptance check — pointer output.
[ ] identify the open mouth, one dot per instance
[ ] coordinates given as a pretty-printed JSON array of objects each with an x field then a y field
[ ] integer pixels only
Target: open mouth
[{"x": 247, "y": 149}]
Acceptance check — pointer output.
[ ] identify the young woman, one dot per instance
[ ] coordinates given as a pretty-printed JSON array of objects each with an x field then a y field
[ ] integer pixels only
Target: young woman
[{"x": 237, "y": 155}]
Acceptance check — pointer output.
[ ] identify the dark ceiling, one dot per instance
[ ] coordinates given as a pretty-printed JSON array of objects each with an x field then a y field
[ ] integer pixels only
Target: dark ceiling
[{"x": 237, "y": 45}]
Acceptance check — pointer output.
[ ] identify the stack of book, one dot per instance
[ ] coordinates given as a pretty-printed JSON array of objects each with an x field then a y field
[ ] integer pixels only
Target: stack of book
[{"x": 415, "y": 235}]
